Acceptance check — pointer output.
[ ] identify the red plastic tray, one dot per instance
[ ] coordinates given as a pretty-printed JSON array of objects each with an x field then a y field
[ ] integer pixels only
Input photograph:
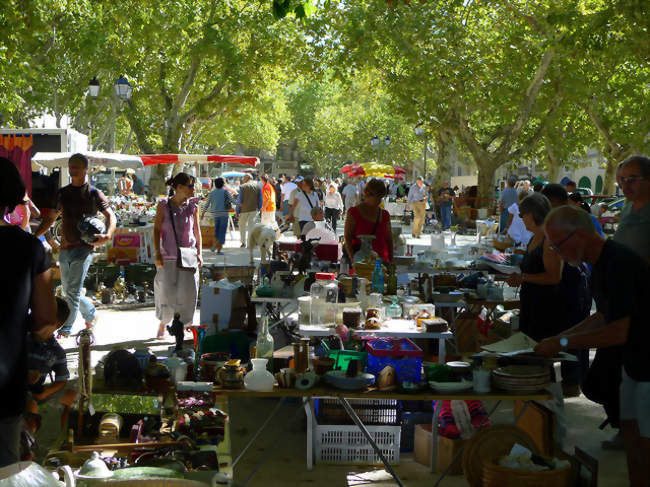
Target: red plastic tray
[{"x": 393, "y": 347}]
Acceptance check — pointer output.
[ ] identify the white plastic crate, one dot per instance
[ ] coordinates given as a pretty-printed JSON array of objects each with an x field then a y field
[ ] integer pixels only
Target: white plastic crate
[{"x": 347, "y": 444}]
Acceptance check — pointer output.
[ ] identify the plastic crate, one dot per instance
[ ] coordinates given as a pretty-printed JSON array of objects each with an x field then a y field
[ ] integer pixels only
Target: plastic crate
[
  {"x": 378, "y": 412},
  {"x": 401, "y": 354},
  {"x": 346, "y": 444},
  {"x": 342, "y": 358}
]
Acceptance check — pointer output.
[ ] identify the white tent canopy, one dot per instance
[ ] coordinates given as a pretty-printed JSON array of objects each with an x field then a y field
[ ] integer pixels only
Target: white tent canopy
[{"x": 51, "y": 160}]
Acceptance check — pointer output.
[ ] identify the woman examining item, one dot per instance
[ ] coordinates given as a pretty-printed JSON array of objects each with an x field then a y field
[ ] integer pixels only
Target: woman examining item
[
  {"x": 333, "y": 206},
  {"x": 367, "y": 218},
  {"x": 542, "y": 311},
  {"x": 177, "y": 242}
]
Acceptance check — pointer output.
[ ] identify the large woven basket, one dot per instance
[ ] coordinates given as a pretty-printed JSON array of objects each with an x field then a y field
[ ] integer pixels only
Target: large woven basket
[{"x": 497, "y": 476}]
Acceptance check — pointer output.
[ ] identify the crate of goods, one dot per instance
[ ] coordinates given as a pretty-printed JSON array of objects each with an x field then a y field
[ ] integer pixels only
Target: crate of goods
[
  {"x": 346, "y": 444},
  {"x": 400, "y": 353},
  {"x": 376, "y": 412},
  {"x": 409, "y": 420}
]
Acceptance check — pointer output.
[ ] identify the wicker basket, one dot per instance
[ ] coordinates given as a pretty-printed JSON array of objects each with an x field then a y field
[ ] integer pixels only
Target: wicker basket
[
  {"x": 497, "y": 476},
  {"x": 502, "y": 244}
]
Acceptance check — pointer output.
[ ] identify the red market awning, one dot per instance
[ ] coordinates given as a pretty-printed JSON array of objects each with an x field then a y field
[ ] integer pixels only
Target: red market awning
[{"x": 153, "y": 159}]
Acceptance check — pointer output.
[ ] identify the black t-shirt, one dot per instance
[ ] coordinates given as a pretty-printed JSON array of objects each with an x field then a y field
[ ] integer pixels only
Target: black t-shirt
[
  {"x": 446, "y": 201},
  {"x": 76, "y": 203},
  {"x": 620, "y": 286},
  {"x": 23, "y": 259}
]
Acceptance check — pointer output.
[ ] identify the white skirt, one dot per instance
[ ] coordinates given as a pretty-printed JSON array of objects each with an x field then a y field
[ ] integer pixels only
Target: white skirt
[{"x": 175, "y": 291}]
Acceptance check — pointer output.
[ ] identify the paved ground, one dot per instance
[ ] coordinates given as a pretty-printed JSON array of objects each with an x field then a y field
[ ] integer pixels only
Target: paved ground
[{"x": 283, "y": 444}]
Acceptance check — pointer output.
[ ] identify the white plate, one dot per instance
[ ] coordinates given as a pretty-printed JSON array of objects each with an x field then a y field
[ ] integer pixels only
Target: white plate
[
  {"x": 450, "y": 386},
  {"x": 504, "y": 269}
]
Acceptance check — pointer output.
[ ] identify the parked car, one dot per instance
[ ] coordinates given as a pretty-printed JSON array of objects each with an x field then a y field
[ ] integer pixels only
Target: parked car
[
  {"x": 584, "y": 191},
  {"x": 609, "y": 218}
]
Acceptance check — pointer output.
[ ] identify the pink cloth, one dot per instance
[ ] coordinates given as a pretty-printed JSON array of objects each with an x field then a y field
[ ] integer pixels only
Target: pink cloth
[{"x": 184, "y": 222}]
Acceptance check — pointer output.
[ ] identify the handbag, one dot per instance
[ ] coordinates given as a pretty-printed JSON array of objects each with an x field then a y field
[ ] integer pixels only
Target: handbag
[{"x": 186, "y": 257}]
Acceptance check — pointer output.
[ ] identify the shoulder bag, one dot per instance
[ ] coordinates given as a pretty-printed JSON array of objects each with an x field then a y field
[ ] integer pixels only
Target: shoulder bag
[{"x": 187, "y": 258}]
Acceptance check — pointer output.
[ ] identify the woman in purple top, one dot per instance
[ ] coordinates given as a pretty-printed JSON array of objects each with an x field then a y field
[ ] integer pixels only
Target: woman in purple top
[{"x": 175, "y": 289}]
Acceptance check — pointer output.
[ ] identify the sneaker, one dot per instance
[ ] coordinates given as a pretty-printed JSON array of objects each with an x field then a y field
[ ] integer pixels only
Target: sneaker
[
  {"x": 213, "y": 248},
  {"x": 242, "y": 246},
  {"x": 219, "y": 253}
]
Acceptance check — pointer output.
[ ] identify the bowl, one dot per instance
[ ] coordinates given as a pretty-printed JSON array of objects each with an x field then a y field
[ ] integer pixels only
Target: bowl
[{"x": 460, "y": 369}]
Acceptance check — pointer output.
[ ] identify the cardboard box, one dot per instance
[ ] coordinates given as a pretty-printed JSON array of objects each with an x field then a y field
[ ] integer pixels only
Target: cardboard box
[
  {"x": 223, "y": 306},
  {"x": 126, "y": 240},
  {"x": 207, "y": 236},
  {"x": 447, "y": 450},
  {"x": 123, "y": 255}
]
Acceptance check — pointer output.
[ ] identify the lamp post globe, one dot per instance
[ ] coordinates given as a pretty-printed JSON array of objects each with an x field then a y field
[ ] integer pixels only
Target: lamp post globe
[
  {"x": 387, "y": 141},
  {"x": 93, "y": 88},
  {"x": 374, "y": 141},
  {"x": 123, "y": 88}
]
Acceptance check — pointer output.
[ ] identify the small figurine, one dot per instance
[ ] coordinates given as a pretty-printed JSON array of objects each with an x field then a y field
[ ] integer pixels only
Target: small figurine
[{"x": 177, "y": 330}]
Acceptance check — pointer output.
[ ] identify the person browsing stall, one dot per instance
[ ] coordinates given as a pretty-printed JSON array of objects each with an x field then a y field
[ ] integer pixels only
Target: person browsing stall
[
  {"x": 176, "y": 229},
  {"x": 621, "y": 290},
  {"x": 446, "y": 197},
  {"x": 634, "y": 222},
  {"x": 333, "y": 206},
  {"x": 367, "y": 218},
  {"x": 219, "y": 203},
  {"x": 75, "y": 202},
  {"x": 25, "y": 284},
  {"x": 250, "y": 201},
  {"x": 541, "y": 311}
]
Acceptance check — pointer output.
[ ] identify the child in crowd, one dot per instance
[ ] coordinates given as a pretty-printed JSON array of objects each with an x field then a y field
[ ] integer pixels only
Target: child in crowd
[{"x": 45, "y": 357}]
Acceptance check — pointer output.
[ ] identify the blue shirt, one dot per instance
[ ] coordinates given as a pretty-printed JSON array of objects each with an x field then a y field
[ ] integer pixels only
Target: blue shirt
[
  {"x": 217, "y": 202},
  {"x": 509, "y": 196},
  {"x": 417, "y": 193}
]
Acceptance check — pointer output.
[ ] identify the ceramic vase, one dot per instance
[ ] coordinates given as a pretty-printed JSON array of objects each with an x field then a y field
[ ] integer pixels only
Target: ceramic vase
[
  {"x": 365, "y": 253},
  {"x": 259, "y": 379},
  {"x": 399, "y": 242}
]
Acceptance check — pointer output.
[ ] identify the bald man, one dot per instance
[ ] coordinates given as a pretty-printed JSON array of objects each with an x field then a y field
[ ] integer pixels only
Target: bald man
[{"x": 621, "y": 289}]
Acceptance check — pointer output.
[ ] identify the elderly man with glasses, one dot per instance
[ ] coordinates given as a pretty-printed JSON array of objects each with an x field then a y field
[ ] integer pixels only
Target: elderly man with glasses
[
  {"x": 633, "y": 230},
  {"x": 620, "y": 287}
]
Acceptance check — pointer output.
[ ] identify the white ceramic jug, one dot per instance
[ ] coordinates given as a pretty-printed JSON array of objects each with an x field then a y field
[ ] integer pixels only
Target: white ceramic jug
[{"x": 259, "y": 379}]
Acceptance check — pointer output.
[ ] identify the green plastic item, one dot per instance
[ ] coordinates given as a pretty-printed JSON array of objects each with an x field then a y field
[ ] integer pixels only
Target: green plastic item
[
  {"x": 342, "y": 358},
  {"x": 438, "y": 372}
]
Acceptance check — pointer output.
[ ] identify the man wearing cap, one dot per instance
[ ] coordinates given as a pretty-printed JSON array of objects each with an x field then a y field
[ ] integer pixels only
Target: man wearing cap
[
  {"x": 250, "y": 202},
  {"x": 75, "y": 202},
  {"x": 417, "y": 199}
]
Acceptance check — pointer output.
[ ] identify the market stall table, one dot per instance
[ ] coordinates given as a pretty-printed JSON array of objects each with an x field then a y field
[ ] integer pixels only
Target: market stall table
[
  {"x": 386, "y": 331},
  {"x": 343, "y": 395}
]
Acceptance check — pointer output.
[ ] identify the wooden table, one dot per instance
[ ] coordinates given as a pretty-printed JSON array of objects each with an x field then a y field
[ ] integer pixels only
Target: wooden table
[{"x": 342, "y": 396}]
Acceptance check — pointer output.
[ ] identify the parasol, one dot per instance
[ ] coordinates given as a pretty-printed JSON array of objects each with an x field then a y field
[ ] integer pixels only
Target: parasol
[
  {"x": 233, "y": 174},
  {"x": 373, "y": 170}
]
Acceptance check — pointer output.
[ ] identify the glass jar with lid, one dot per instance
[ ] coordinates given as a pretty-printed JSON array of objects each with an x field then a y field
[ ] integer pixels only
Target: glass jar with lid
[{"x": 324, "y": 296}]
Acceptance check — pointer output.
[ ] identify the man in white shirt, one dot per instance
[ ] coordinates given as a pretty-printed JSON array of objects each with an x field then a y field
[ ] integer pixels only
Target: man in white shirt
[
  {"x": 350, "y": 195},
  {"x": 287, "y": 187}
]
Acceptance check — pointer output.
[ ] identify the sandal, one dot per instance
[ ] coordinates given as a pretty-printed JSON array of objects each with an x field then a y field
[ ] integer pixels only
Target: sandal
[{"x": 161, "y": 332}]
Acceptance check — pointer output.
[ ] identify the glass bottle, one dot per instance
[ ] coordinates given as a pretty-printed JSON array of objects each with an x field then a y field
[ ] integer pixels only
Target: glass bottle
[
  {"x": 264, "y": 344},
  {"x": 394, "y": 310},
  {"x": 324, "y": 297},
  {"x": 377, "y": 285}
]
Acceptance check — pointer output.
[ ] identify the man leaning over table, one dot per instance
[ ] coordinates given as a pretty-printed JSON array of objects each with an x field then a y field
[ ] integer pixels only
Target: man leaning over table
[{"x": 621, "y": 290}]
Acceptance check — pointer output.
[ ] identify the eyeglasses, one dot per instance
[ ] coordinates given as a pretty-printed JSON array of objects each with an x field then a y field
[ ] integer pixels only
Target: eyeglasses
[
  {"x": 631, "y": 179},
  {"x": 191, "y": 185},
  {"x": 556, "y": 247}
]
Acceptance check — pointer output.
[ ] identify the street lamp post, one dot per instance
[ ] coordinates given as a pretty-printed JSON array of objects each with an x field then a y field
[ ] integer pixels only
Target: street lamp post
[
  {"x": 420, "y": 132},
  {"x": 377, "y": 144}
]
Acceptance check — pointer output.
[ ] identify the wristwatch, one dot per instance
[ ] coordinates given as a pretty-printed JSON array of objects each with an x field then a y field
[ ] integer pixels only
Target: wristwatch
[{"x": 564, "y": 342}]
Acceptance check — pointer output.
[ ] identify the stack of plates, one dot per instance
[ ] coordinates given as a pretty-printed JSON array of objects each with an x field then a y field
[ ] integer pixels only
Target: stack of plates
[{"x": 522, "y": 378}]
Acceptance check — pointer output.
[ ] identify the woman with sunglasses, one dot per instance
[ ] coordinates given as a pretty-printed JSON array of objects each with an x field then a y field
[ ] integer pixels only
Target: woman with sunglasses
[
  {"x": 176, "y": 289},
  {"x": 542, "y": 312},
  {"x": 368, "y": 218}
]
